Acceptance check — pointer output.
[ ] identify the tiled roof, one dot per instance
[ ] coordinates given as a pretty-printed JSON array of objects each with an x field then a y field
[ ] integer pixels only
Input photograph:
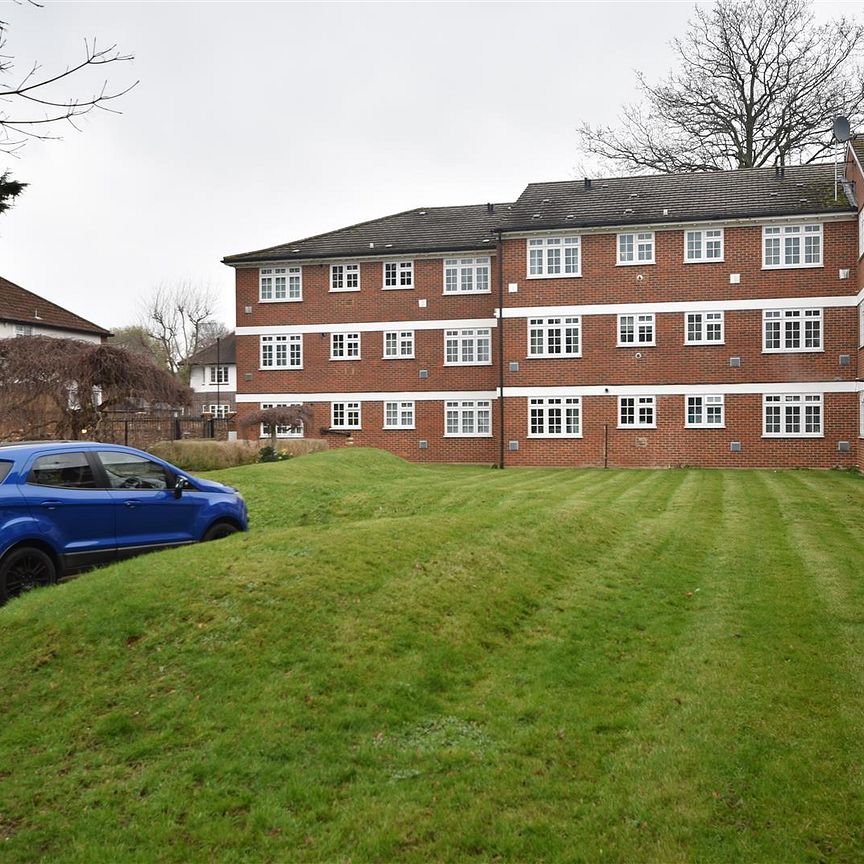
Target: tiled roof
[
  {"x": 21, "y": 306},
  {"x": 745, "y": 193},
  {"x": 426, "y": 229},
  {"x": 227, "y": 352}
]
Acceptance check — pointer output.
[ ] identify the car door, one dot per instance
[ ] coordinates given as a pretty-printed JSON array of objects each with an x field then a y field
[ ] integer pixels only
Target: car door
[
  {"x": 65, "y": 498},
  {"x": 147, "y": 515}
]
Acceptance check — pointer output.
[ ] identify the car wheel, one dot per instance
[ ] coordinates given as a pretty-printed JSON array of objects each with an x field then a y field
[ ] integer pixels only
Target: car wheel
[
  {"x": 25, "y": 569},
  {"x": 218, "y": 531}
]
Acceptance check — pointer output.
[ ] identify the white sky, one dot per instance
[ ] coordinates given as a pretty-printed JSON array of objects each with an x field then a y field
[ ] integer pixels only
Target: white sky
[{"x": 260, "y": 123}]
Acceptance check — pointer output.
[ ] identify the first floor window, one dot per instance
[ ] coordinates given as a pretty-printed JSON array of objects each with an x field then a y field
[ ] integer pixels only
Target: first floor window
[
  {"x": 281, "y": 431},
  {"x": 219, "y": 411},
  {"x": 792, "y": 415},
  {"x": 344, "y": 346},
  {"x": 345, "y": 415},
  {"x": 553, "y": 337},
  {"x": 792, "y": 245},
  {"x": 861, "y": 418},
  {"x": 344, "y": 277},
  {"x": 792, "y": 330},
  {"x": 23, "y": 330},
  {"x": 466, "y": 276},
  {"x": 398, "y": 274},
  {"x": 704, "y": 245},
  {"x": 280, "y": 283},
  {"x": 703, "y": 328},
  {"x": 554, "y": 256},
  {"x": 218, "y": 374},
  {"x": 282, "y": 352},
  {"x": 555, "y": 417},
  {"x": 398, "y": 415},
  {"x": 704, "y": 411},
  {"x": 468, "y": 347},
  {"x": 636, "y": 248},
  {"x": 468, "y": 419},
  {"x": 635, "y": 330},
  {"x": 399, "y": 343},
  {"x": 636, "y": 411}
]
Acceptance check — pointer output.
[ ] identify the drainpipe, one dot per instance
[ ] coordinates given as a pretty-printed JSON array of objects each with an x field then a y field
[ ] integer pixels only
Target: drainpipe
[{"x": 500, "y": 349}]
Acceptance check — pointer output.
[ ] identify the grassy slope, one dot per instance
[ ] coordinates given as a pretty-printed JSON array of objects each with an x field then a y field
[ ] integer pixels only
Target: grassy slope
[{"x": 439, "y": 663}]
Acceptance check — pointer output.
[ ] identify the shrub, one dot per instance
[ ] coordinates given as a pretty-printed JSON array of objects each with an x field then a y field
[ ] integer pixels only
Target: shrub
[
  {"x": 206, "y": 455},
  {"x": 290, "y": 449}
]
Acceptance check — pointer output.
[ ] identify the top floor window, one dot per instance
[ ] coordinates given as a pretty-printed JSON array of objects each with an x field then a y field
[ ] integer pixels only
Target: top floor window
[
  {"x": 466, "y": 276},
  {"x": 554, "y": 256},
  {"x": 218, "y": 374},
  {"x": 636, "y": 248},
  {"x": 791, "y": 246},
  {"x": 398, "y": 274},
  {"x": 344, "y": 277},
  {"x": 280, "y": 283},
  {"x": 703, "y": 245}
]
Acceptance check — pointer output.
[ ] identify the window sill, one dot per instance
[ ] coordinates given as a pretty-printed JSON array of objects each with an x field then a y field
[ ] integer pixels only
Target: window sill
[
  {"x": 636, "y": 426},
  {"x": 793, "y": 350},
  {"x": 397, "y": 287},
  {"x": 704, "y": 425},
  {"x": 464, "y": 293},
  {"x": 703, "y": 344},
  {"x": 704, "y": 261},
  {"x": 553, "y": 437},
  {"x": 793, "y": 435},
  {"x": 467, "y": 435},
  {"x": 636, "y": 345},
  {"x": 486, "y": 363},
  {"x": 635, "y": 263},
  {"x": 280, "y": 368},
  {"x": 792, "y": 266},
  {"x": 553, "y": 356},
  {"x": 398, "y": 428},
  {"x": 344, "y": 291},
  {"x": 554, "y": 276},
  {"x": 401, "y": 357},
  {"x": 281, "y": 300},
  {"x": 344, "y": 359}
]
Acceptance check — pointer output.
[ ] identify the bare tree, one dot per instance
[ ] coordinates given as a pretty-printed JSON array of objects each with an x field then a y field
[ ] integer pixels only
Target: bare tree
[
  {"x": 59, "y": 387},
  {"x": 757, "y": 83},
  {"x": 180, "y": 319},
  {"x": 291, "y": 417}
]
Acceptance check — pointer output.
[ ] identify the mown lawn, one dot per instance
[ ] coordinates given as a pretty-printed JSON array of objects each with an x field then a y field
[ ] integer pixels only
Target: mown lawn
[{"x": 423, "y": 664}]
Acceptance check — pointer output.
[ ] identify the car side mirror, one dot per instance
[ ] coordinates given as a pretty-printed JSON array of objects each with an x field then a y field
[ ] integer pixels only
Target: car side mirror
[{"x": 180, "y": 484}]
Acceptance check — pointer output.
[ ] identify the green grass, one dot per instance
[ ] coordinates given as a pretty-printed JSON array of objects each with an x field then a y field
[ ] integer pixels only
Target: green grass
[{"x": 423, "y": 664}]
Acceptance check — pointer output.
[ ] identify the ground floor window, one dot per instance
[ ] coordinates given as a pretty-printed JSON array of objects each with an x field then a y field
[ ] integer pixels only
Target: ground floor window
[
  {"x": 705, "y": 411},
  {"x": 398, "y": 415},
  {"x": 221, "y": 410},
  {"x": 637, "y": 412},
  {"x": 555, "y": 418},
  {"x": 281, "y": 431},
  {"x": 792, "y": 415},
  {"x": 472, "y": 419},
  {"x": 345, "y": 415}
]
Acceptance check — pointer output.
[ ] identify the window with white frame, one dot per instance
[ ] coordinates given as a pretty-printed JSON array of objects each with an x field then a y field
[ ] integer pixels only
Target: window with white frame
[
  {"x": 861, "y": 326},
  {"x": 345, "y": 415},
  {"x": 636, "y": 412},
  {"x": 554, "y": 256},
  {"x": 219, "y": 411},
  {"x": 705, "y": 412},
  {"x": 791, "y": 246},
  {"x": 705, "y": 244},
  {"x": 861, "y": 233},
  {"x": 23, "y": 330},
  {"x": 218, "y": 374},
  {"x": 398, "y": 274},
  {"x": 636, "y": 248},
  {"x": 791, "y": 330},
  {"x": 466, "y": 276},
  {"x": 554, "y": 337},
  {"x": 468, "y": 419},
  {"x": 703, "y": 328},
  {"x": 861, "y": 417},
  {"x": 280, "y": 283},
  {"x": 398, "y": 415},
  {"x": 399, "y": 344},
  {"x": 468, "y": 347},
  {"x": 281, "y": 431},
  {"x": 344, "y": 277},
  {"x": 344, "y": 346},
  {"x": 635, "y": 330},
  {"x": 555, "y": 417},
  {"x": 282, "y": 352},
  {"x": 792, "y": 415}
]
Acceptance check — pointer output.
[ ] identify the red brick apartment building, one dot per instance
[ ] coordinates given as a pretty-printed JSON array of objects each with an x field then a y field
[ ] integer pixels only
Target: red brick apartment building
[{"x": 702, "y": 319}]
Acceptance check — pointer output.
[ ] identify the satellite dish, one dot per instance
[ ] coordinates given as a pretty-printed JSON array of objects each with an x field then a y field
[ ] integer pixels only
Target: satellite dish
[{"x": 841, "y": 128}]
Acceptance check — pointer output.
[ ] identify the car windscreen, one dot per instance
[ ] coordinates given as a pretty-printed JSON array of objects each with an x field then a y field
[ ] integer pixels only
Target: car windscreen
[{"x": 5, "y": 468}]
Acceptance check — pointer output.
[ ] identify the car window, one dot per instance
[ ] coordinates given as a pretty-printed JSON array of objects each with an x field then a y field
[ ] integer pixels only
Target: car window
[
  {"x": 67, "y": 470},
  {"x": 5, "y": 468},
  {"x": 128, "y": 471}
]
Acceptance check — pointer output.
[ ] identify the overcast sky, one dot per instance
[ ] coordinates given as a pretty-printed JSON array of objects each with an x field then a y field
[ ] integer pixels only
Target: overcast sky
[{"x": 259, "y": 123}]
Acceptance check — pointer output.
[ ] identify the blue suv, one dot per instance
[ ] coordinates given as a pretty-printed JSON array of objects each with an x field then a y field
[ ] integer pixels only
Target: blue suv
[{"x": 66, "y": 506}]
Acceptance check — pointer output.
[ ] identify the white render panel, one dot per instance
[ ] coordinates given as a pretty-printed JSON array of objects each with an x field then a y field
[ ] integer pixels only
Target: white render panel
[
  {"x": 367, "y": 326},
  {"x": 687, "y": 389},
  {"x": 406, "y": 396}
]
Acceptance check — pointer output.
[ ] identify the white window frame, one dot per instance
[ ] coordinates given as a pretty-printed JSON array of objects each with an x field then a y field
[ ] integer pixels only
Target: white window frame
[
  {"x": 219, "y": 410},
  {"x": 269, "y": 290},
  {"x": 219, "y": 373},
  {"x": 632, "y": 248},
  {"x": 402, "y": 277},
  {"x": 704, "y": 237},
  {"x": 801, "y": 230},
  {"x": 785, "y": 401},
  {"x": 468, "y": 412},
  {"x": 546, "y": 334},
  {"x": 713, "y": 321},
  {"x": 861, "y": 415},
  {"x": 640, "y": 403},
  {"x": 285, "y": 430},
  {"x": 401, "y": 347},
  {"x": 23, "y": 329},
  {"x": 557, "y": 257},
  {"x": 475, "y": 337},
  {"x": 347, "y": 409},
  {"x": 639, "y": 320},
  {"x": 552, "y": 412},
  {"x": 289, "y": 340},
  {"x": 457, "y": 269},
  {"x": 861, "y": 233},
  {"x": 861, "y": 325},
  {"x": 403, "y": 412},
  {"x": 784, "y": 317},
  {"x": 716, "y": 402},
  {"x": 345, "y": 346},
  {"x": 348, "y": 274}
]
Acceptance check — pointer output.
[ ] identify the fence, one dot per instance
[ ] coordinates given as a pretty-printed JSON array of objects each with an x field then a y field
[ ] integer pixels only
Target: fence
[{"x": 143, "y": 432}]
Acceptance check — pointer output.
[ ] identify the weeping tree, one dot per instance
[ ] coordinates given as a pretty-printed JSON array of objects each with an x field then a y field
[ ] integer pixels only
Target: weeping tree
[
  {"x": 62, "y": 387},
  {"x": 290, "y": 417}
]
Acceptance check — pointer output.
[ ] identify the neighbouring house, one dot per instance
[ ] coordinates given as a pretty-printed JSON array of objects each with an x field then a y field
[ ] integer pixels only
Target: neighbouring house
[
  {"x": 213, "y": 378},
  {"x": 710, "y": 319},
  {"x": 23, "y": 313}
]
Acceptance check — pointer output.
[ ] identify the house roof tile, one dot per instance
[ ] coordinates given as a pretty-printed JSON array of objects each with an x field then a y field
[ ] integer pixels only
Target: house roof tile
[
  {"x": 21, "y": 306},
  {"x": 227, "y": 352}
]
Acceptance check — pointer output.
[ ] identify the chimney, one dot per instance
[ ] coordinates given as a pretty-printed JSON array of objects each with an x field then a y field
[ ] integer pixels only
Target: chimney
[
  {"x": 490, "y": 208},
  {"x": 587, "y": 183}
]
